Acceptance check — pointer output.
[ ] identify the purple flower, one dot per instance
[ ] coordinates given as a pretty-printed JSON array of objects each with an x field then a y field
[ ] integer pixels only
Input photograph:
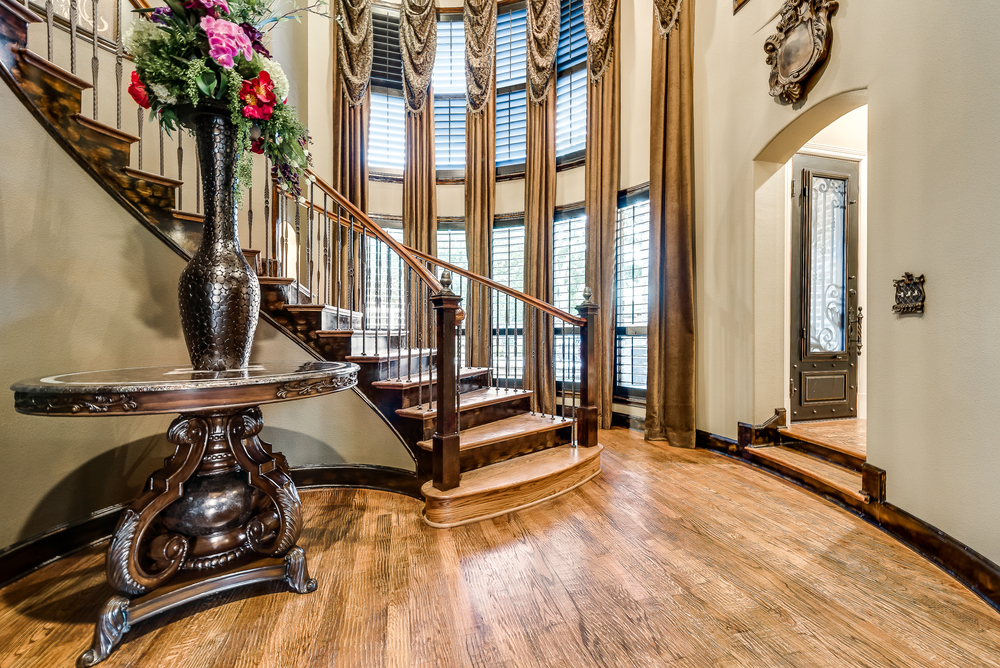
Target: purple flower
[
  {"x": 255, "y": 37},
  {"x": 160, "y": 15},
  {"x": 225, "y": 40},
  {"x": 207, "y": 6}
]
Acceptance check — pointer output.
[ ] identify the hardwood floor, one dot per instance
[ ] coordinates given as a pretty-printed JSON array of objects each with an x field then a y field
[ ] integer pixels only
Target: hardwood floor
[{"x": 668, "y": 558}]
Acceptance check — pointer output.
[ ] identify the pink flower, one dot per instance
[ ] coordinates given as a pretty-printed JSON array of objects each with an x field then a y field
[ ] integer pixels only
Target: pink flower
[
  {"x": 138, "y": 91},
  {"x": 258, "y": 95},
  {"x": 225, "y": 40}
]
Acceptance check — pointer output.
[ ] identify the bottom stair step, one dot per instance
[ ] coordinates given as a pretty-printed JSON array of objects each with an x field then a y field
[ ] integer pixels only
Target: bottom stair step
[
  {"x": 812, "y": 471},
  {"x": 511, "y": 485}
]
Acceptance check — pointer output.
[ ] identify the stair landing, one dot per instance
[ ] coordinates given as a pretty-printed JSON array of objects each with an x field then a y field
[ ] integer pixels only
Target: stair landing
[{"x": 849, "y": 437}]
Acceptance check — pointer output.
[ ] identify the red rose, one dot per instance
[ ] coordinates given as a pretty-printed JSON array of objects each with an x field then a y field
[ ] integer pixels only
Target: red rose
[
  {"x": 257, "y": 146},
  {"x": 138, "y": 91}
]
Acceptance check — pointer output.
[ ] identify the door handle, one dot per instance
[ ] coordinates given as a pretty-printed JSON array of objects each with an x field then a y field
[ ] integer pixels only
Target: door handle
[{"x": 855, "y": 321}]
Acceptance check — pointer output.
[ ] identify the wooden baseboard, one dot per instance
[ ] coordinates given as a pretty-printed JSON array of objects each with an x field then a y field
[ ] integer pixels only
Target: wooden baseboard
[
  {"x": 626, "y": 421},
  {"x": 21, "y": 558},
  {"x": 707, "y": 441}
]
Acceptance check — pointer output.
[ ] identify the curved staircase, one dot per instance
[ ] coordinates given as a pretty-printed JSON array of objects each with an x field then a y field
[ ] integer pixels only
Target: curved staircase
[{"x": 488, "y": 445}]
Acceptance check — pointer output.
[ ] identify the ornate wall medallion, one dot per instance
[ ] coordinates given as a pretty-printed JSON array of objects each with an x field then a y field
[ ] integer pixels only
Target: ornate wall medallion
[
  {"x": 799, "y": 47},
  {"x": 909, "y": 294}
]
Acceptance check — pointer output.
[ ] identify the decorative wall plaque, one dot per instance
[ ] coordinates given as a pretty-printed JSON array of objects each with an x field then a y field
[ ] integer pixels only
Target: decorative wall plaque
[
  {"x": 909, "y": 294},
  {"x": 799, "y": 47}
]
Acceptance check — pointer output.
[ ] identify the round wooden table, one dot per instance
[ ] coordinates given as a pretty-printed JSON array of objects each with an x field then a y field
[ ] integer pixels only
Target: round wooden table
[{"x": 223, "y": 511}]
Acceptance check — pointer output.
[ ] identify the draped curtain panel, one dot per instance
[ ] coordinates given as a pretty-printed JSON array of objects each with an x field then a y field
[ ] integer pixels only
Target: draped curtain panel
[
  {"x": 670, "y": 410},
  {"x": 418, "y": 46},
  {"x": 351, "y": 113},
  {"x": 602, "y": 170},
  {"x": 480, "y": 165},
  {"x": 540, "y": 196}
]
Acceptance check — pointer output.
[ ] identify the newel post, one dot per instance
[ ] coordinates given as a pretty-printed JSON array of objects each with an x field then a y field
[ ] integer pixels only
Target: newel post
[
  {"x": 587, "y": 417},
  {"x": 446, "y": 471}
]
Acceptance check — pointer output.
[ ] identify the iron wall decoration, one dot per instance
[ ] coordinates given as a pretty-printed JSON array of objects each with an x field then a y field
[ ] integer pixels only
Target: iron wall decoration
[
  {"x": 799, "y": 47},
  {"x": 738, "y": 4},
  {"x": 909, "y": 294}
]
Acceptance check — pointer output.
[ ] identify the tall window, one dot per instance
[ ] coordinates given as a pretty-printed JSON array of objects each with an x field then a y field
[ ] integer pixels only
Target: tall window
[
  {"x": 451, "y": 244},
  {"x": 512, "y": 105},
  {"x": 384, "y": 302},
  {"x": 508, "y": 313},
  {"x": 571, "y": 83},
  {"x": 386, "y": 134},
  {"x": 449, "y": 93},
  {"x": 569, "y": 266},
  {"x": 631, "y": 297}
]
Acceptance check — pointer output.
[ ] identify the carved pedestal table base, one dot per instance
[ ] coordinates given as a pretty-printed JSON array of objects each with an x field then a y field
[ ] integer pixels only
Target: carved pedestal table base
[{"x": 223, "y": 511}]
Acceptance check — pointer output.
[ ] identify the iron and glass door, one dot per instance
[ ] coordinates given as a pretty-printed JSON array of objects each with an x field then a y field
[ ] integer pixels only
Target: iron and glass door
[{"x": 825, "y": 317}]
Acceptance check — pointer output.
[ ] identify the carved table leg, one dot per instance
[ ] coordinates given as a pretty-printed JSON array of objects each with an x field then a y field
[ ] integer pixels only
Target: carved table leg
[
  {"x": 111, "y": 625},
  {"x": 296, "y": 573}
]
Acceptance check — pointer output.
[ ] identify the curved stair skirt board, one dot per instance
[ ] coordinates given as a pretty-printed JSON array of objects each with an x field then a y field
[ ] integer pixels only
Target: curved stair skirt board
[
  {"x": 29, "y": 555},
  {"x": 477, "y": 499},
  {"x": 966, "y": 565},
  {"x": 512, "y": 510}
]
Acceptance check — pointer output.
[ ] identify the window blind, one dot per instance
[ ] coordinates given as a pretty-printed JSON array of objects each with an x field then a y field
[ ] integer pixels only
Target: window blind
[
  {"x": 571, "y": 112},
  {"x": 449, "y": 96},
  {"x": 512, "y": 58},
  {"x": 512, "y": 106},
  {"x": 449, "y": 132},
  {"x": 449, "y": 64},
  {"x": 572, "y": 49},
  {"x": 569, "y": 265},
  {"x": 508, "y": 314},
  {"x": 387, "y": 64},
  {"x": 512, "y": 127},
  {"x": 631, "y": 298},
  {"x": 386, "y": 131},
  {"x": 451, "y": 247}
]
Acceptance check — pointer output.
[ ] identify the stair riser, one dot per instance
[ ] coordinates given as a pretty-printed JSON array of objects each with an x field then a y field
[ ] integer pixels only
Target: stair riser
[
  {"x": 475, "y": 458},
  {"x": 473, "y": 417},
  {"x": 843, "y": 459},
  {"x": 408, "y": 368},
  {"x": 372, "y": 344},
  {"x": 815, "y": 484}
]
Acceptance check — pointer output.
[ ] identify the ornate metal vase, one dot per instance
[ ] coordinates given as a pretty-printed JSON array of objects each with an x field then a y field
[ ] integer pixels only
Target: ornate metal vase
[{"x": 219, "y": 294}]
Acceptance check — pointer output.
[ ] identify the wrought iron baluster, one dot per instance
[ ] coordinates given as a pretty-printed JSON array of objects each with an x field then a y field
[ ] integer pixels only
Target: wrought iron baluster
[
  {"x": 338, "y": 283},
  {"x": 576, "y": 394},
  {"x": 552, "y": 364},
  {"x": 350, "y": 267},
  {"x": 49, "y": 17},
  {"x": 73, "y": 18},
  {"x": 267, "y": 219},
  {"x": 249, "y": 202},
  {"x": 564, "y": 359},
  {"x": 399, "y": 321},
  {"x": 364, "y": 288},
  {"x": 309, "y": 236},
  {"x": 197, "y": 188},
  {"x": 162, "y": 154},
  {"x": 409, "y": 323},
  {"x": 180, "y": 168},
  {"x": 388, "y": 304},
  {"x": 418, "y": 323},
  {"x": 326, "y": 251},
  {"x": 119, "y": 57},
  {"x": 139, "y": 119},
  {"x": 94, "y": 63},
  {"x": 298, "y": 250},
  {"x": 506, "y": 343}
]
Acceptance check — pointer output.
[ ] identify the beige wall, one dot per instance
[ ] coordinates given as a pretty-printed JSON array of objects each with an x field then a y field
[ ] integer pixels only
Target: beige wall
[
  {"x": 85, "y": 286},
  {"x": 933, "y": 102}
]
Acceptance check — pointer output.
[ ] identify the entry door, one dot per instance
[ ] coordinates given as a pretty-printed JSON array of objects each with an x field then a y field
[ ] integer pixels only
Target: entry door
[{"x": 825, "y": 330}]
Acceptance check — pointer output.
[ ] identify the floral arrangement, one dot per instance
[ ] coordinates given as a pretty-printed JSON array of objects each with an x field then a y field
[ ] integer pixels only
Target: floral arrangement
[{"x": 196, "y": 52}]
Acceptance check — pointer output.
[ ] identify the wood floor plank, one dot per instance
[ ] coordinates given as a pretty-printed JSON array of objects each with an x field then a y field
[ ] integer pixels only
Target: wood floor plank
[{"x": 670, "y": 558}]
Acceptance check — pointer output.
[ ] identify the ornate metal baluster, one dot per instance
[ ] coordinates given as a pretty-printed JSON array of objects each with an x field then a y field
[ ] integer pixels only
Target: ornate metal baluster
[
  {"x": 49, "y": 17},
  {"x": 388, "y": 305},
  {"x": 283, "y": 221},
  {"x": 309, "y": 246},
  {"x": 320, "y": 248},
  {"x": 339, "y": 291},
  {"x": 418, "y": 323},
  {"x": 119, "y": 57},
  {"x": 378, "y": 292},
  {"x": 249, "y": 203},
  {"x": 576, "y": 394},
  {"x": 552, "y": 366},
  {"x": 139, "y": 119},
  {"x": 564, "y": 379},
  {"x": 506, "y": 343},
  {"x": 267, "y": 218},
  {"x": 73, "y": 18},
  {"x": 162, "y": 155},
  {"x": 326, "y": 251},
  {"x": 180, "y": 168},
  {"x": 364, "y": 288},
  {"x": 197, "y": 192},
  {"x": 94, "y": 64},
  {"x": 298, "y": 250},
  {"x": 409, "y": 323},
  {"x": 399, "y": 320}
]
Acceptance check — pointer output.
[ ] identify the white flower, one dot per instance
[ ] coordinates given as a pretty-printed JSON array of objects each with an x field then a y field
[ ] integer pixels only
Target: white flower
[
  {"x": 141, "y": 35},
  {"x": 302, "y": 200},
  {"x": 311, "y": 178},
  {"x": 162, "y": 93},
  {"x": 284, "y": 186},
  {"x": 306, "y": 152},
  {"x": 277, "y": 74}
]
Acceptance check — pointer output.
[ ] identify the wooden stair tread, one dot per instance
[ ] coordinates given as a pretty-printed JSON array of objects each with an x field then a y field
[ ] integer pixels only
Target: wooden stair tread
[
  {"x": 486, "y": 396},
  {"x": 837, "y": 477},
  {"x": 849, "y": 437},
  {"x": 153, "y": 178},
  {"x": 503, "y": 430},
  {"x": 36, "y": 61},
  {"x": 22, "y": 12},
  {"x": 188, "y": 215},
  {"x": 333, "y": 333},
  {"x": 428, "y": 378},
  {"x": 511, "y": 485},
  {"x": 97, "y": 126},
  {"x": 275, "y": 280}
]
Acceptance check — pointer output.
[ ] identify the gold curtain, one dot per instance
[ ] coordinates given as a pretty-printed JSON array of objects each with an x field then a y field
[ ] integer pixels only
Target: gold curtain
[
  {"x": 351, "y": 112},
  {"x": 670, "y": 381},
  {"x": 540, "y": 198},
  {"x": 601, "y": 179},
  {"x": 480, "y": 167},
  {"x": 418, "y": 46}
]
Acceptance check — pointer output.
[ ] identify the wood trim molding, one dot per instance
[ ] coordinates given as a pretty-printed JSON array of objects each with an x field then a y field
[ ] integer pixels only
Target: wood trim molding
[
  {"x": 765, "y": 433},
  {"x": 707, "y": 441},
  {"x": 29, "y": 555}
]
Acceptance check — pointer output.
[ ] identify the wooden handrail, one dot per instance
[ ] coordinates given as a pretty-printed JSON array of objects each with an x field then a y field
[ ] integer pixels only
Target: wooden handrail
[
  {"x": 520, "y": 296},
  {"x": 140, "y": 4},
  {"x": 376, "y": 230}
]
